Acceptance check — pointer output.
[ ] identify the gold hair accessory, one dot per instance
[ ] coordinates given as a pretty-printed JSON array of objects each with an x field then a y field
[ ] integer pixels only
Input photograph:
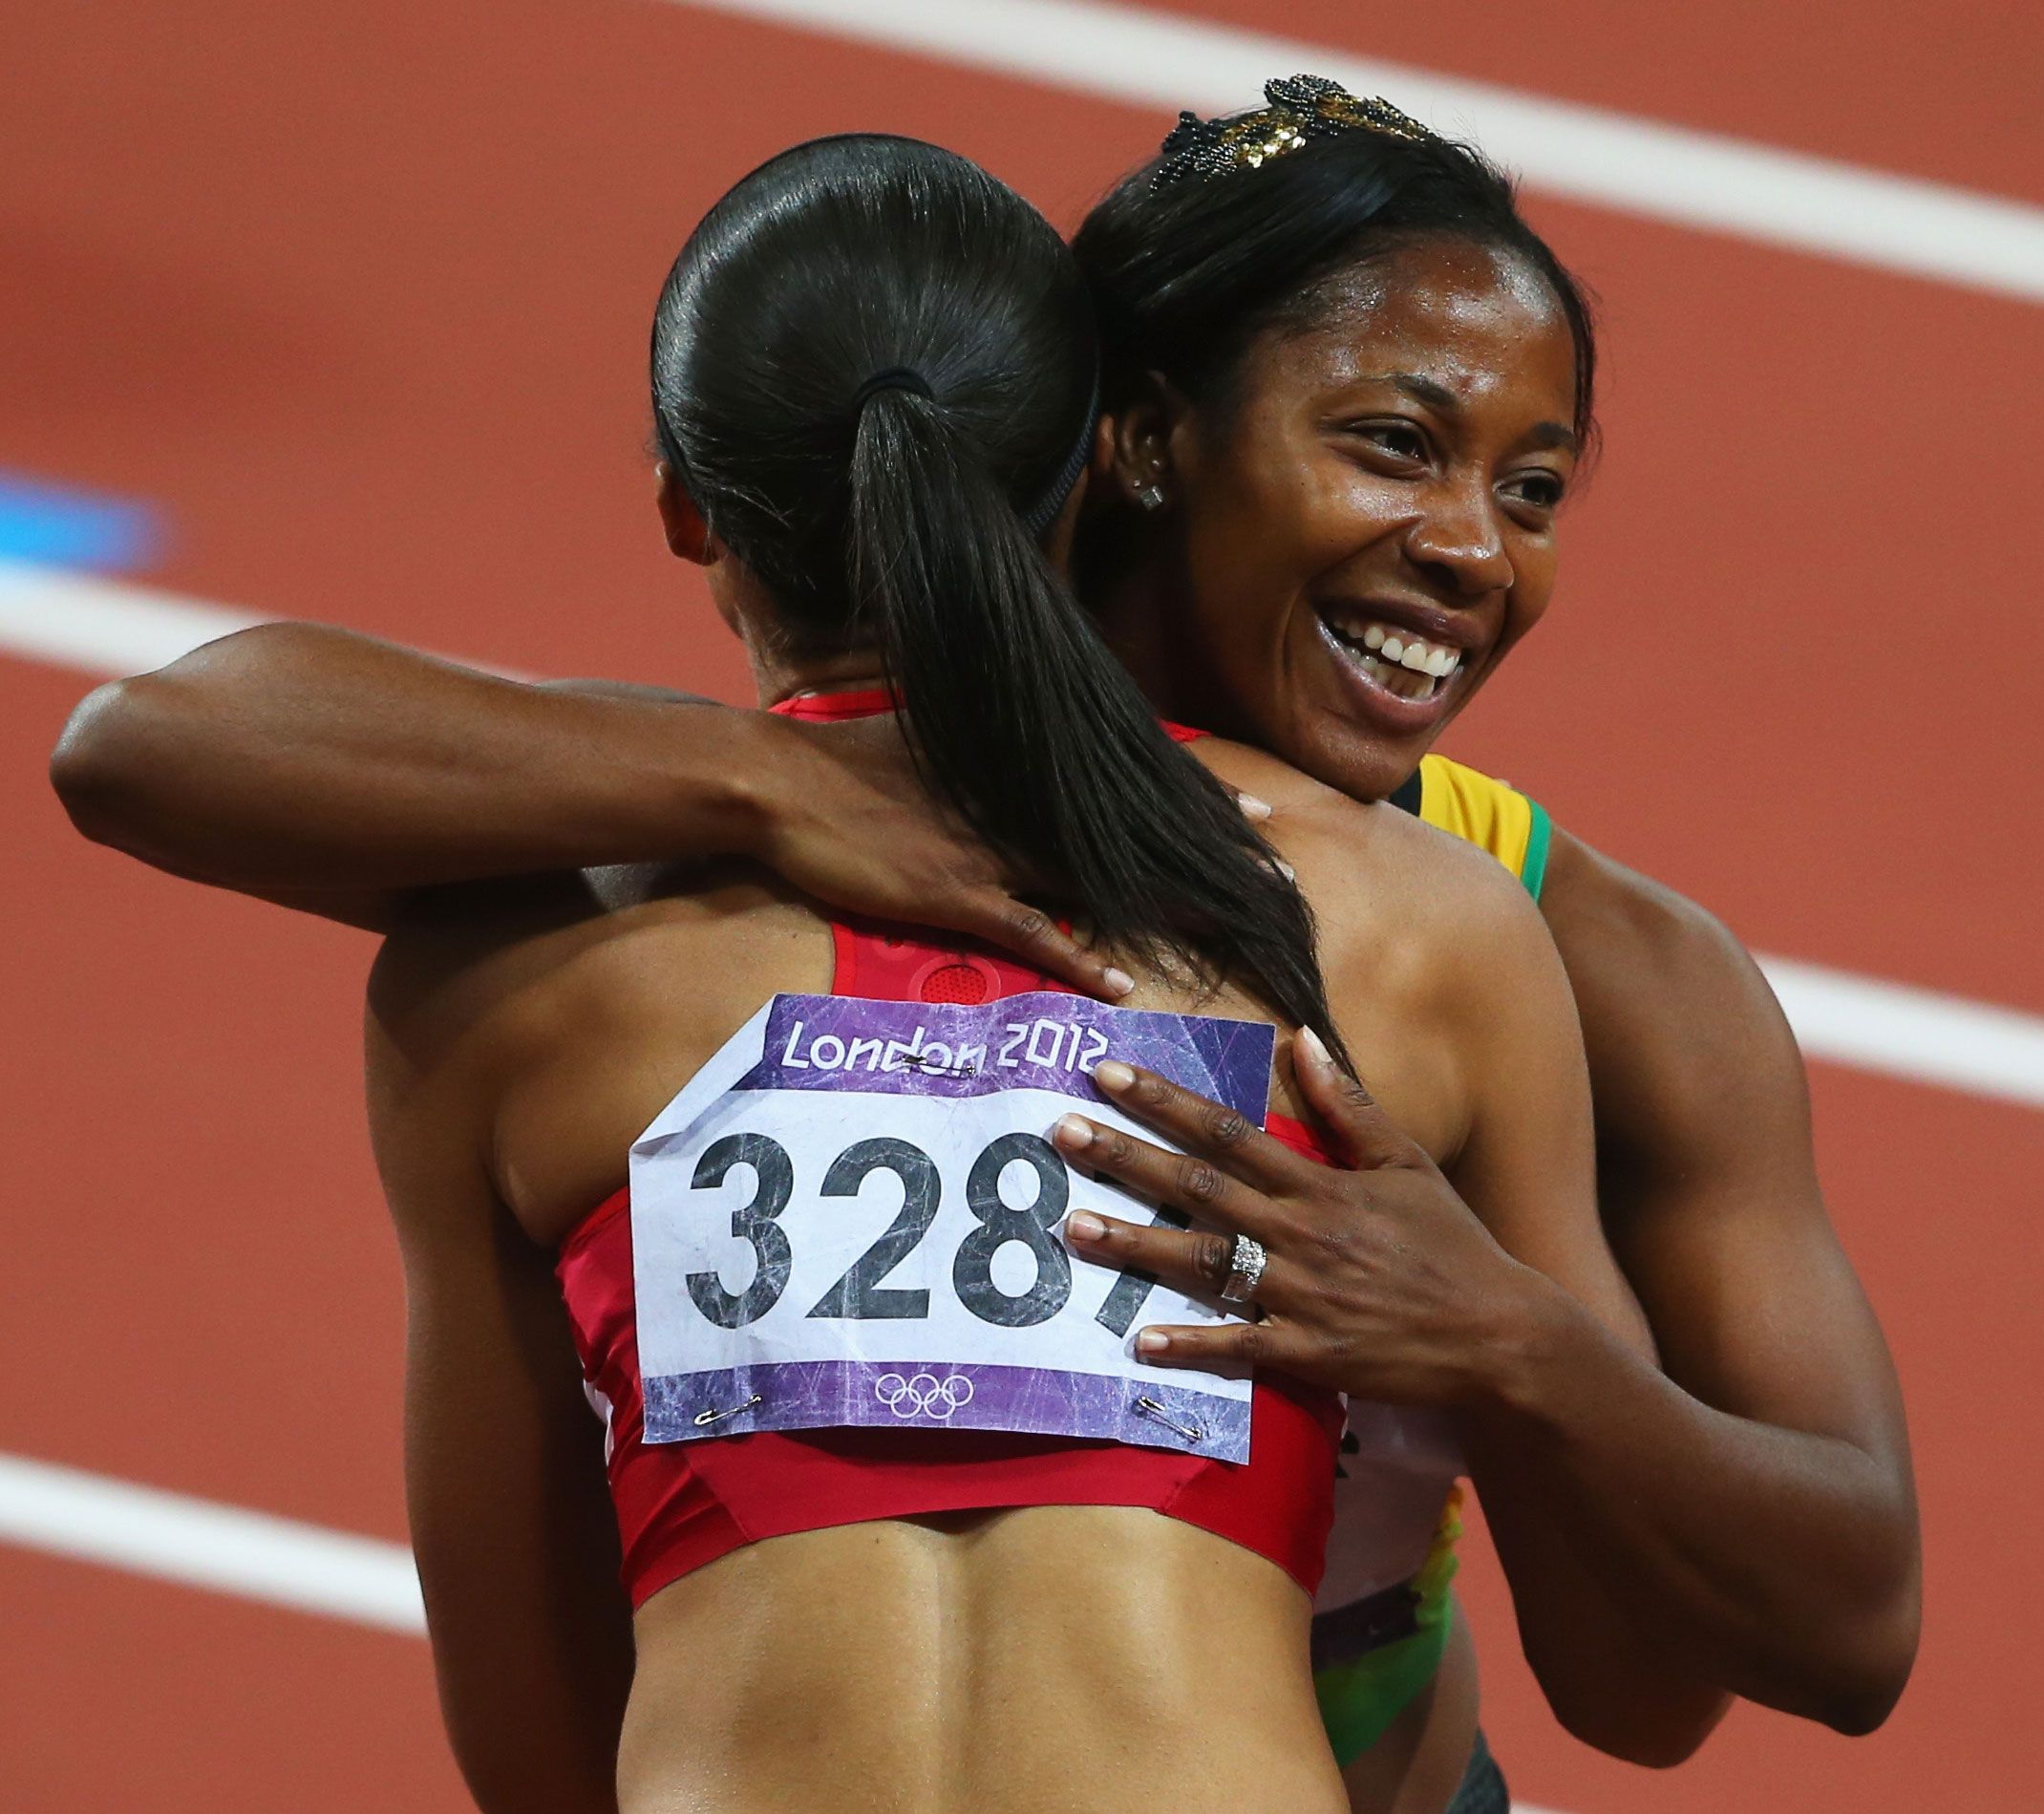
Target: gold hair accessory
[{"x": 1301, "y": 107}]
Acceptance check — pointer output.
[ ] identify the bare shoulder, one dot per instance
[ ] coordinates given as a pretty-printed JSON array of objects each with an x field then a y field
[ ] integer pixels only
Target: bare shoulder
[
  {"x": 506, "y": 965},
  {"x": 1427, "y": 942},
  {"x": 1336, "y": 844},
  {"x": 1618, "y": 917},
  {"x": 1654, "y": 967}
]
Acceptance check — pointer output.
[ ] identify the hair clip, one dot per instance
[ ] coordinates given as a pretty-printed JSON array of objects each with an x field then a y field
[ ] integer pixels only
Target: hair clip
[{"x": 1300, "y": 107}]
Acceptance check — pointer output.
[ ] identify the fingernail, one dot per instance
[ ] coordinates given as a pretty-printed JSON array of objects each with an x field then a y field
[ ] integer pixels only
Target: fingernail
[
  {"x": 1082, "y": 1225},
  {"x": 1313, "y": 1046},
  {"x": 1152, "y": 1342},
  {"x": 1252, "y": 807},
  {"x": 1120, "y": 982},
  {"x": 1072, "y": 1131},
  {"x": 1110, "y": 1074},
  {"x": 1286, "y": 870}
]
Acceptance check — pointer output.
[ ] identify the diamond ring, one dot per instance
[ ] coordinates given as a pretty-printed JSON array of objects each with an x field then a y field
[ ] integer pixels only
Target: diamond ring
[{"x": 1245, "y": 1271}]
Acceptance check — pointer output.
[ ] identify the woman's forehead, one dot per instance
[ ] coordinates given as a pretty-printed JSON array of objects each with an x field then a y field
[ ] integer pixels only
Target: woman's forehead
[{"x": 1471, "y": 319}]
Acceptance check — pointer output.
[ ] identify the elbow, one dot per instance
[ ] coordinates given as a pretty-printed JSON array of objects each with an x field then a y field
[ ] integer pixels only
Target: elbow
[
  {"x": 1636, "y": 1704},
  {"x": 1857, "y": 1715},
  {"x": 1850, "y": 1665},
  {"x": 121, "y": 767},
  {"x": 1656, "y": 1737},
  {"x": 1862, "y": 1689},
  {"x": 1640, "y": 1708},
  {"x": 99, "y": 760}
]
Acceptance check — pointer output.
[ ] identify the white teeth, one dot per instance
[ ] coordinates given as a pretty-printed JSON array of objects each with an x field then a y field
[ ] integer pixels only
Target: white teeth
[{"x": 1395, "y": 652}]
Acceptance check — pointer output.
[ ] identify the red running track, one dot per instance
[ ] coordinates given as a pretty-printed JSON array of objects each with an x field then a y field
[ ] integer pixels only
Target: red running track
[{"x": 358, "y": 296}]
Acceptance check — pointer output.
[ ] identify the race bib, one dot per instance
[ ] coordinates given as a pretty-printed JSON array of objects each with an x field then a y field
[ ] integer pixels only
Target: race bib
[{"x": 851, "y": 1217}]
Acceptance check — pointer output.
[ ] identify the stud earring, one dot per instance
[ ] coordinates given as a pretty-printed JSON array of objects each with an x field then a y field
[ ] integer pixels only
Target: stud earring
[{"x": 1151, "y": 497}]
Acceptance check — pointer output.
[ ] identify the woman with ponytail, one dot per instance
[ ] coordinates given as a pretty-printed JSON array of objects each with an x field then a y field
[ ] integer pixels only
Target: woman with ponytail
[
  {"x": 870, "y": 521},
  {"x": 921, "y": 1529}
]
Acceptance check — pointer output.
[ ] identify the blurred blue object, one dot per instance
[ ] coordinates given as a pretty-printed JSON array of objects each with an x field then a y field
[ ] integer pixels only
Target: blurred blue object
[{"x": 57, "y": 525}]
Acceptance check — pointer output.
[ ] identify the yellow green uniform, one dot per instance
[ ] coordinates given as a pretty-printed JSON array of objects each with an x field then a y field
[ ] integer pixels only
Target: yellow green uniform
[
  {"x": 1492, "y": 815},
  {"x": 1371, "y": 1659}
]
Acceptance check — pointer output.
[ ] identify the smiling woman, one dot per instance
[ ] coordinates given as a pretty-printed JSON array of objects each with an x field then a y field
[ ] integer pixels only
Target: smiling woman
[
  {"x": 1348, "y": 389},
  {"x": 1352, "y": 389}
]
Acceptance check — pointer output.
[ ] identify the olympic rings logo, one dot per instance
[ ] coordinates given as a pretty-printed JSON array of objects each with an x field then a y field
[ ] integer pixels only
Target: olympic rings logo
[{"x": 923, "y": 1394}]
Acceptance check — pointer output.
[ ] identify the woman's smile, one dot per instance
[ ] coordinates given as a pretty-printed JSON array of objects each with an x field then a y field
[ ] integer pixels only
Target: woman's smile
[
  {"x": 1362, "y": 517},
  {"x": 1402, "y": 666}
]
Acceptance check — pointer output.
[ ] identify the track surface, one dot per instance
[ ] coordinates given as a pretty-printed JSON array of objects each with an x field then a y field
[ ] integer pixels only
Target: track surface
[{"x": 355, "y": 298}]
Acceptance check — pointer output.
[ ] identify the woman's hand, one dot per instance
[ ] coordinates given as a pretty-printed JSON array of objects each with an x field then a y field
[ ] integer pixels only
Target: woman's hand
[
  {"x": 845, "y": 817},
  {"x": 1380, "y": 1281}
]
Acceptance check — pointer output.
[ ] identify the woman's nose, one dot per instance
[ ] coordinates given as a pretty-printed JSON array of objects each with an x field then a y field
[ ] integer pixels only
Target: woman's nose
[{"x": 1460, "y": 537}]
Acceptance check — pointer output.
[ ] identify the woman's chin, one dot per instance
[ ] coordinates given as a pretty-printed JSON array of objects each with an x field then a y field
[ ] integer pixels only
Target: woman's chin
[{"x": 1349, "y": 754}]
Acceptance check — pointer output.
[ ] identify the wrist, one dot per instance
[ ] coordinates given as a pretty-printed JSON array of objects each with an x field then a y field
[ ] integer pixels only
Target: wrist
[
  {"x": 742, "y": 787},
  {"x": 1534, "y": 1357}
]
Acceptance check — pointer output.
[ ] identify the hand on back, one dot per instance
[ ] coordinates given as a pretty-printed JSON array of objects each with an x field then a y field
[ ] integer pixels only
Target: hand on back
[
  {"x": 1379, "y": 1281},
  {"x": 847, "y": 818}
]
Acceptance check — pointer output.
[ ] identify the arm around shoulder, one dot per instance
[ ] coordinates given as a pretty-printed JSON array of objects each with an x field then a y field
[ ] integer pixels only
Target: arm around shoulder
[{"x": 332, "y": 772}]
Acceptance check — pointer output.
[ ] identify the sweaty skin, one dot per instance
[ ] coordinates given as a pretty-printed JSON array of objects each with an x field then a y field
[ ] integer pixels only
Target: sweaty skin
[
  {"x": 522, "y": 1034},
  {"x": 1402, "y": 461},
  {"x": 336, "y": 773}
]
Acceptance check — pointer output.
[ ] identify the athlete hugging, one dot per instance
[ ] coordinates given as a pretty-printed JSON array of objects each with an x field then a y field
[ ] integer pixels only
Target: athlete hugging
[{"x": 973, "y": 1430}]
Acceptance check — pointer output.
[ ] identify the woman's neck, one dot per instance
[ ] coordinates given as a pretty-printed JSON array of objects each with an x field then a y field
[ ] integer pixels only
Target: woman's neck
[
  {"x": 1133, "y": 600},
  {"x": 779, "y": 676}
]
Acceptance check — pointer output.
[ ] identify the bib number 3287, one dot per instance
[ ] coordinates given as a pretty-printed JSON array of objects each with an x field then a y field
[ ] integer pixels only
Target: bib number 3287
[
  {"x": 819, "y": 1246},
  {"x": 862, "y": 1292}
]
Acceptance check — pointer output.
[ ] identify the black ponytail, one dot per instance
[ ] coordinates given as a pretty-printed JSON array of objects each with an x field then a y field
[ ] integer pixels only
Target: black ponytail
[
  {"x": 1026, "y": 723},
  {"x": 874, "y": 369}
]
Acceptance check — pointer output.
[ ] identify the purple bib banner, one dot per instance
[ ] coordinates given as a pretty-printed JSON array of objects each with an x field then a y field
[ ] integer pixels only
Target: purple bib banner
[{"x": 1043, "y": 1041}]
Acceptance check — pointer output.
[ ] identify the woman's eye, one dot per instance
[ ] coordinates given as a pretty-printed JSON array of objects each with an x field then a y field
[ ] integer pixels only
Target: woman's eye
[
  {"x": 1400, "y": 440},
  {"x": 1542, "y": 490}
]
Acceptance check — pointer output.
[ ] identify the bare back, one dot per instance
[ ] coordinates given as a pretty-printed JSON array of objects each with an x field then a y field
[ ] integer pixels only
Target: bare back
[{"x": 521, "y": 1038}]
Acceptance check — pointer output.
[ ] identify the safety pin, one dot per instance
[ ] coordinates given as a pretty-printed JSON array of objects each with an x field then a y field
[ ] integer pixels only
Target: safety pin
[
  {"x": 930, "y": 1068},
  {"x": 703, "y": 1419},
  {"x": 1192, "y": 1433}
]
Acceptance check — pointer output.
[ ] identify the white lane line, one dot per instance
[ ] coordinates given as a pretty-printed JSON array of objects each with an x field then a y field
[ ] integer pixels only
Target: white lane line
[
  {"x": 1916, "y": 1034},
  {"x": 1585, "y": 154},
  {"x": 201, "y": 1542},
  {"x": 105, "y": 626}
]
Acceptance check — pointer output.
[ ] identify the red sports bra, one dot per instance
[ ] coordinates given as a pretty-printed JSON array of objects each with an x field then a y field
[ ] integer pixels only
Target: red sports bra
[{"x": 682, "y": 1504}]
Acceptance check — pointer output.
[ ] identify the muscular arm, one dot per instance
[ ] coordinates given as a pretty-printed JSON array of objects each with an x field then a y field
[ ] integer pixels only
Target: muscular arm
[
  {"x": 1388, "y": 1284},
  {"x": 335, "y": 773},
  {"x": 511, "y": 1521},
  {"x": 331, "y": 772},
  {"x": 1755, "y": 1503},
  {"x": 1527, "y": 1169}
]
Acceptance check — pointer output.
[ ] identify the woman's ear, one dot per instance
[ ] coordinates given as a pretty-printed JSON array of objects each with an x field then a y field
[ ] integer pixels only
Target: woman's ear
[
  {"x": 688, "y": 535},
  {"x": 1132, "y": 458}
]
